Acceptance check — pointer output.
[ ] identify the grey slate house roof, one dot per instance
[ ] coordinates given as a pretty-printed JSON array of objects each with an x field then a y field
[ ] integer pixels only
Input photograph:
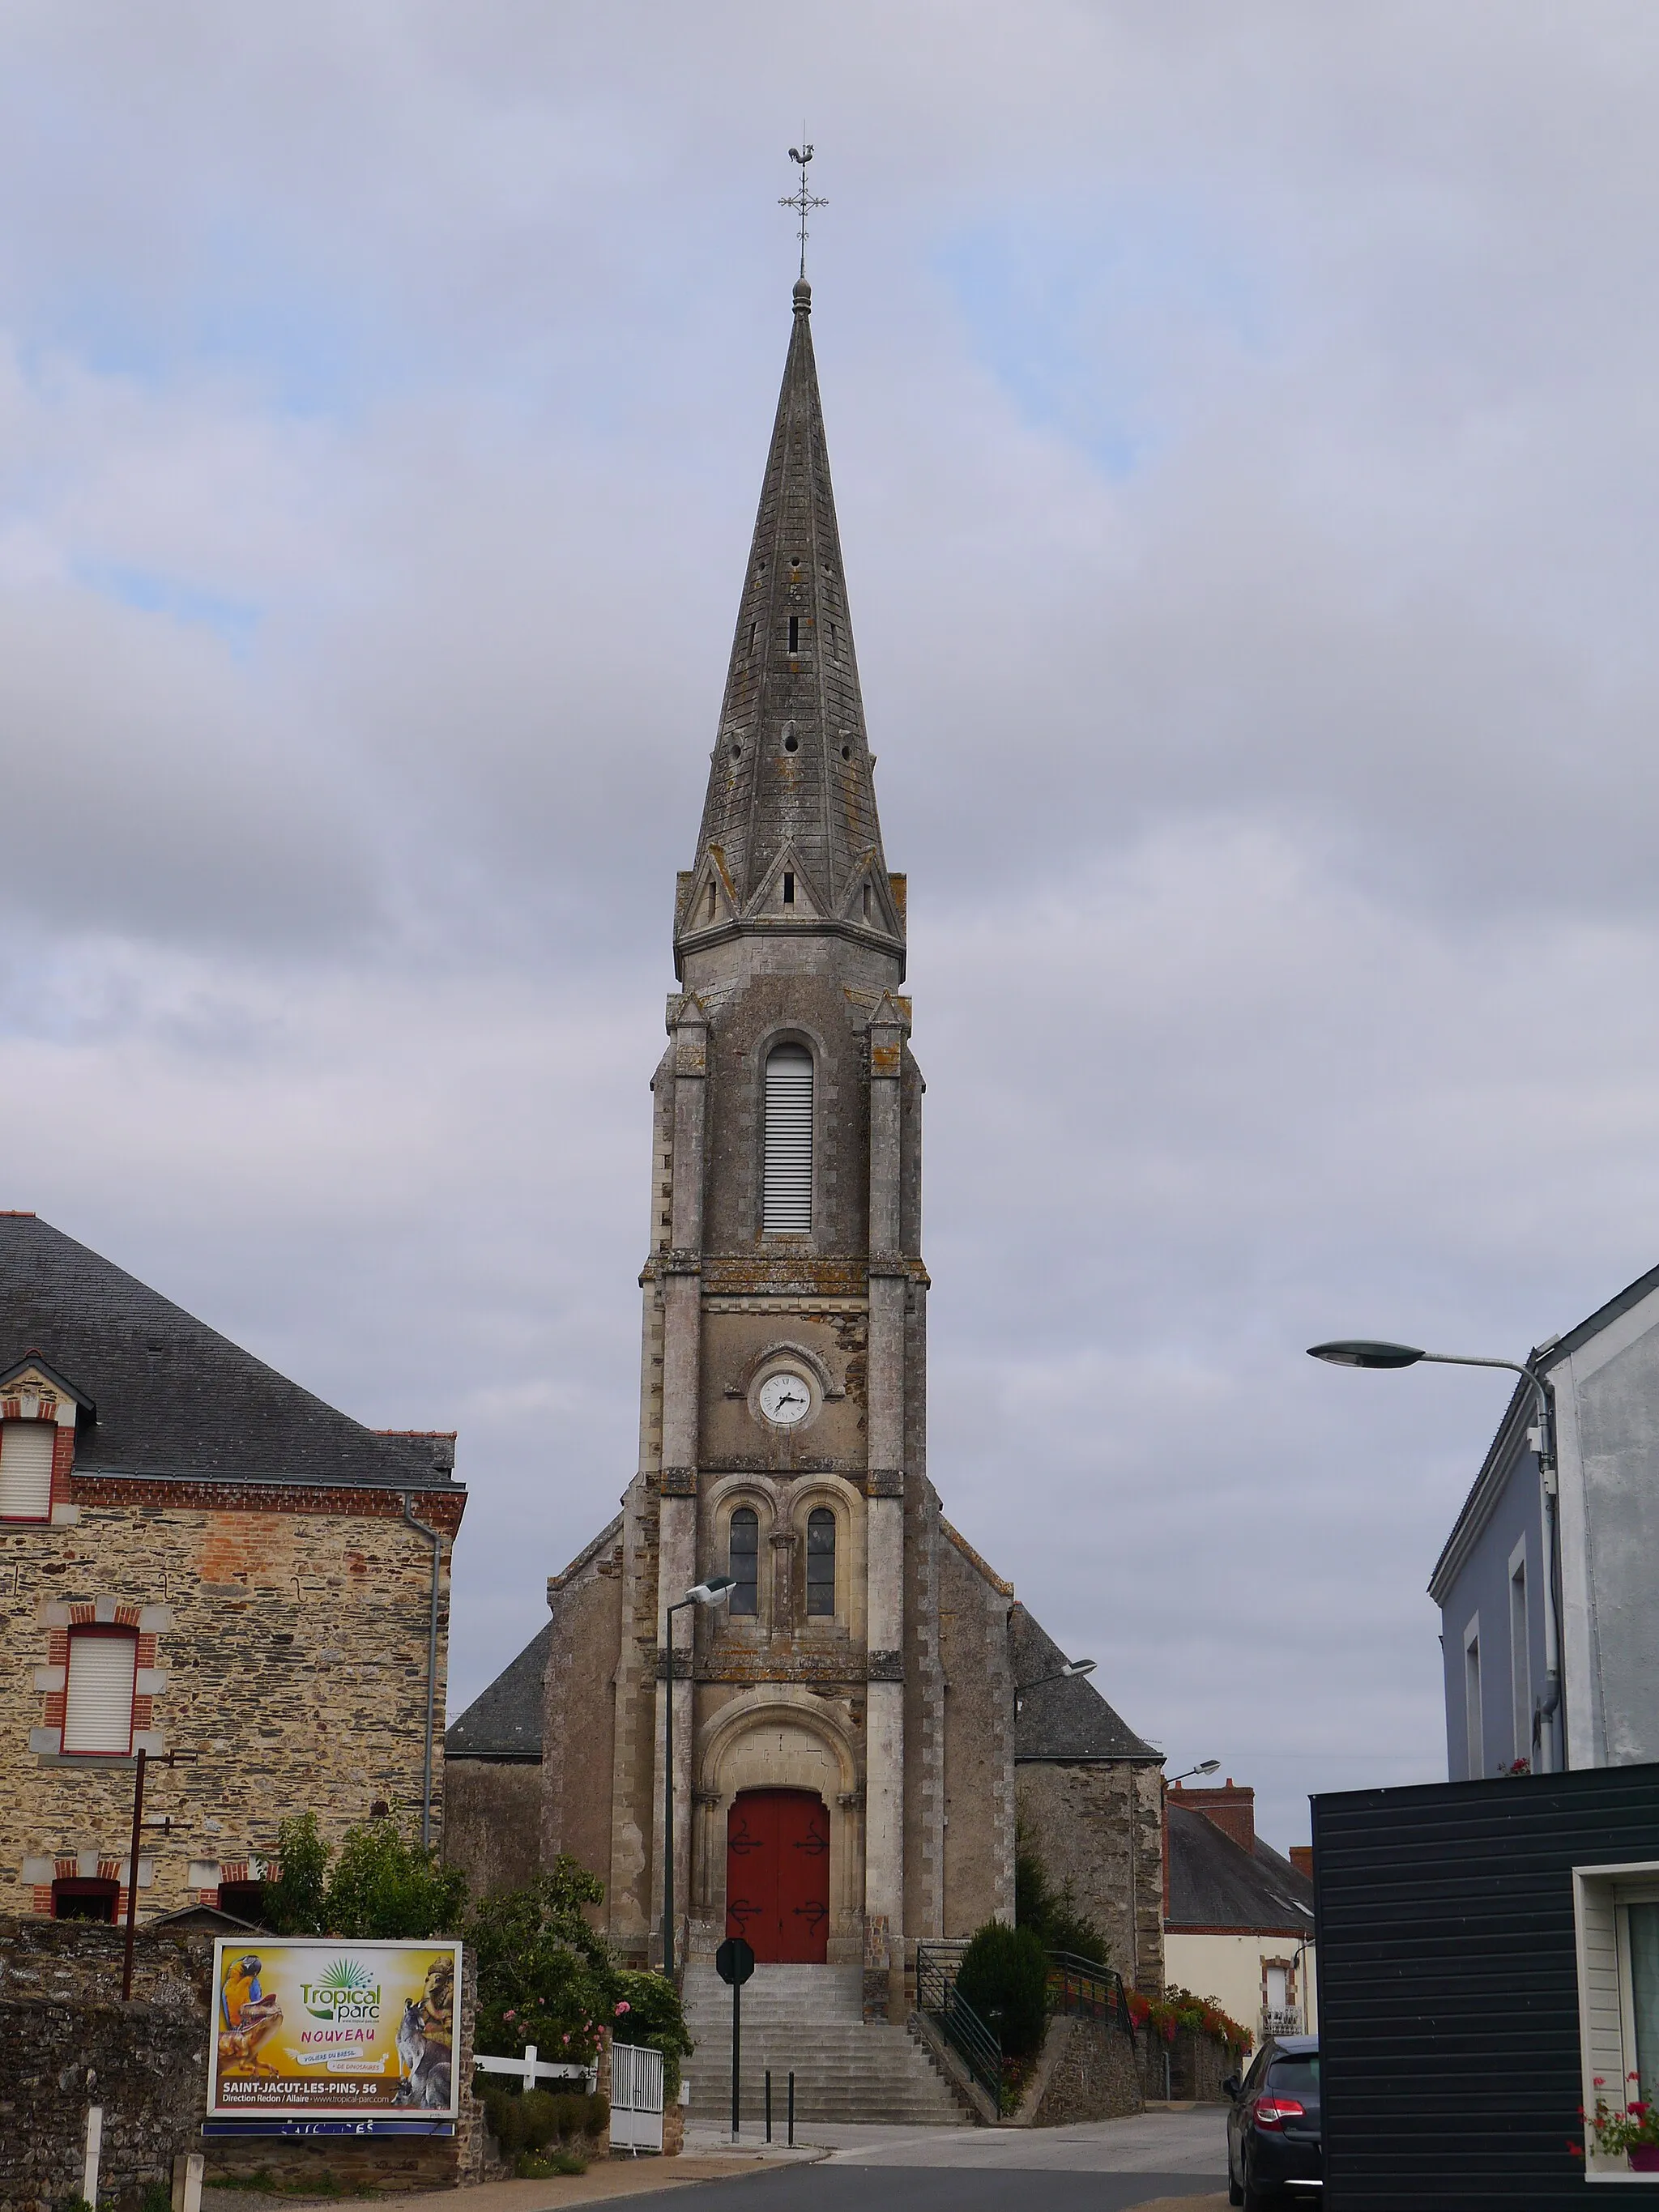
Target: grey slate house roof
[
  {"x": 1066, "y": 1721},
  {"x": 505, "y": 1720},
  {"x": 164, "y": 1395},
  {"x": 1216, "y": 1885}
]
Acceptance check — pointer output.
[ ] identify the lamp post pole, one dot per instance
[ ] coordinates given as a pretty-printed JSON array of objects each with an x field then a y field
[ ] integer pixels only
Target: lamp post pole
[
  {"x": 1364, "y": 1352},
  {"x": 1067, "y": 1672},
  {"x": 715, "y": 1591}
]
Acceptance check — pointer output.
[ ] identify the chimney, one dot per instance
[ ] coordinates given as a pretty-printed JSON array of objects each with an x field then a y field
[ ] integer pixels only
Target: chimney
[
  {"x": 1302, "y": 1859},
  {"x": 1233, "y": 1810}
]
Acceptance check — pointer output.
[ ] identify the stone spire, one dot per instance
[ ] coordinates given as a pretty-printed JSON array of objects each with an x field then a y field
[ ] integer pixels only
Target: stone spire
[{"x": 790, "y": 838}]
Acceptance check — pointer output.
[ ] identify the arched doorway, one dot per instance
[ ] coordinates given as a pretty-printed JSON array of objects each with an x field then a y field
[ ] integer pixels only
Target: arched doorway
[{"x": 777, "y": 1875}]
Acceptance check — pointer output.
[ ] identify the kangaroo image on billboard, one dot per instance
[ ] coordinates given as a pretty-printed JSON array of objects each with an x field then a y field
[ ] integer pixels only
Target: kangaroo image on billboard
[{"x": 309, "y": 2028}]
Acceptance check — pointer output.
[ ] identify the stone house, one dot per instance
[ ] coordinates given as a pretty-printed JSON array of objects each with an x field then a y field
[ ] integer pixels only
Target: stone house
[
  {"x": 844, "y": 1777},
  {"x": 197, "y": 1557},
  {"x": 1239, "y": 1919}
]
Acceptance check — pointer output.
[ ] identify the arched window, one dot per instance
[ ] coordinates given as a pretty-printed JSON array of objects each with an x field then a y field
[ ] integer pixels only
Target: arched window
[
  {"x": 820, "y": 1562},
  {"x": 787, "y": 1200},
  {"x": 745, "y": 1560}
]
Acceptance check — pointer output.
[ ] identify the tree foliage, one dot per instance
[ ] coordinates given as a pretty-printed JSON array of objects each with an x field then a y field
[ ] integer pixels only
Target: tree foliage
[
  {"x": 382, "y": 1887},
  {"x": 544, "y": 1973},
  {"x": 646, "y": 2008},
  {"x": 1004, "y": 1976}
]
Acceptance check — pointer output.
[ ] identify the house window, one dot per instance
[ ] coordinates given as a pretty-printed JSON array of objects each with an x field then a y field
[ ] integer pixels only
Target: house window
[
  {"x": 1520, "y": 1658},
  {"x": 1616, "y": 1915},
  {"x": 1476, "y": 1753},
  {"x": 745, "y": 1555},
  {"x": 244, "y": 1901},
  {"x": 85, "y": 1901},
  {"x": 820, "y": 1563},
  {"x": 25, "y": 1449},
  {"x": 103, "y": 1665},
  {"x": 787, "y": 1193}
]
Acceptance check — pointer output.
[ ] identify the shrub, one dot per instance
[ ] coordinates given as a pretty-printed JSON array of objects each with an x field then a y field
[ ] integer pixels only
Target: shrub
[
  {"x": 545, "y": 1975},
  {"x": 157, "y": 2198},
  {"x": 1004, "y": 1976},
  {"x": 533, "y": 2119},
  {"x": 647, "y": 2009},
  {"x": 382, "y": 1887}
]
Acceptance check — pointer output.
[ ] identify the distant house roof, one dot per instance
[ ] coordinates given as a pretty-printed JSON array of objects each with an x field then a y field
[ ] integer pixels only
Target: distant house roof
[
  {"x": 1068, "y": 1720},
  {"x": 163, "y": 1394},
  {"x": 1510, "y": 1440},
  {"x": 1216, "y": 1884},
  {"x": 505, "y": 1721}
]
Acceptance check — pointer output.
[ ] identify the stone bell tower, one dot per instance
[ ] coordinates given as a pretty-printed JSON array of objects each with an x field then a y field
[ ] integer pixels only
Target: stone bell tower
[{"x": 783, "y": 1389}]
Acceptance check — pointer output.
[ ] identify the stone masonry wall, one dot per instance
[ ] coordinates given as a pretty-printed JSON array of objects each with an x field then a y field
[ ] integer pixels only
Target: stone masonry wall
[
  {"x": 67, "y": 2042},
  {"x": 283, "y": 1642},
  {"x": 1088, "y": 2071},
  {"x": 1098, "y": 1825}
]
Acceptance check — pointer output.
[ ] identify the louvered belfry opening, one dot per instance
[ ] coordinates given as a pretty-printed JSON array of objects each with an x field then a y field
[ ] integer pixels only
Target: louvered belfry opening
[
  {"x": 787, "y": 1205},
  {"x": 103, "y": 1677}
]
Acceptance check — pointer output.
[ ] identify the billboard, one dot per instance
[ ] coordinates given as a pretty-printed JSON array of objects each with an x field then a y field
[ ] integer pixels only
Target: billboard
[{"x": 312, "y": 2027}]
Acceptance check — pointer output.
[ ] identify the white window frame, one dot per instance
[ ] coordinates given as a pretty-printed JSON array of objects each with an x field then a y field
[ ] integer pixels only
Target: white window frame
[
  {"x": 48, "y": 1430},
  {"x": 1521, "y": 1652},
  {"x": 1474, "y": 1716},
  {"x": 1607, "y": 2026},
  {"x": 99, "y": 1633}
]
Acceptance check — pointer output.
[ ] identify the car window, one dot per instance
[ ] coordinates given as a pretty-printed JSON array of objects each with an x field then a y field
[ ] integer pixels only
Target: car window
[
  {"x": 1258, "y": 2068},
  {"x": 1296, "y": 2078}
]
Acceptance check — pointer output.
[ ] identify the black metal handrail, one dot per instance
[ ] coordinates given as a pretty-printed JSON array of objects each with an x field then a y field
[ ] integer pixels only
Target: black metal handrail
[
  {"x": 974, "y": 2043},
  {"x": 1086, "y": 1990}
]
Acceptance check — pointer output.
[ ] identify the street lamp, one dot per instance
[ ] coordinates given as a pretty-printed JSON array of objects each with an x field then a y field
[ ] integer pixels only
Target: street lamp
[
  {"x": 1204, "y": 1766},
  {"x": 1067, "y": 1672},
  {"x": 1364, "y": 1352},
  {"x": 715, "y": 1591}
]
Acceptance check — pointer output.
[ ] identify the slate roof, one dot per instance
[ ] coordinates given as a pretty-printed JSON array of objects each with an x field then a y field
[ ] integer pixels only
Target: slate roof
[
  {"x": 174, "y": 1397},
  {"x": 1216, "y": 1883},
  {"x": 505, "y": 1721},
  {"x": 1064, "y": 1720}
]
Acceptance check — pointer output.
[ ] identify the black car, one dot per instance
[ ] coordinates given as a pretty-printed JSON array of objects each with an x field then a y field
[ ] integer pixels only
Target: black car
[{"x": 1273, "y": 2129}]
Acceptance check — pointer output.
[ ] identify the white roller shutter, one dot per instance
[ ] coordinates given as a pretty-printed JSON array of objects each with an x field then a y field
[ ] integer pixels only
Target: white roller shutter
[
  {"x": 788, "y": 1204},
  {"x": 98, "y": 1711},
  {"x": 25, "y": 1470}
]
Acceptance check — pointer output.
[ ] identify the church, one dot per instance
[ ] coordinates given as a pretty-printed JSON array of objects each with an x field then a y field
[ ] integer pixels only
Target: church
[{"x": 855, "y": 1718}]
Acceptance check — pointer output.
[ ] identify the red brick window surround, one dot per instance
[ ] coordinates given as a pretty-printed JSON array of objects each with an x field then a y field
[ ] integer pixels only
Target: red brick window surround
[
  {"x": 99, "y": 1688},
  {"x": 75, "y": 1899},
  {"x": 27, "y": 1453}
]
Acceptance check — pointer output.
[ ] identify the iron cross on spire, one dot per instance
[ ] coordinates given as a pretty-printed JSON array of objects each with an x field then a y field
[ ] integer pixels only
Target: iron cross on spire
[{"x": 801, "y": 199}]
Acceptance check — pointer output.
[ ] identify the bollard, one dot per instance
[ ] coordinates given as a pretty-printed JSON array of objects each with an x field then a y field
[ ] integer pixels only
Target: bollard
[
  {"x": 768, "y": 2104},
  {"x": 188, "y": 2169},
  {"x": 791, "y": 2111},
  {"x": 94, "y": 2148}
]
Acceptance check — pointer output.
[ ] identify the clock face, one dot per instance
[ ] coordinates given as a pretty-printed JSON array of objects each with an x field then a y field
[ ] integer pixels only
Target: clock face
[{"x": 785, "y": 1398}]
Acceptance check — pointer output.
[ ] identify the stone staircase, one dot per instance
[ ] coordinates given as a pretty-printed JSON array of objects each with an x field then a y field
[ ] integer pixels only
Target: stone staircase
[{"x": 810, "y": 2019}]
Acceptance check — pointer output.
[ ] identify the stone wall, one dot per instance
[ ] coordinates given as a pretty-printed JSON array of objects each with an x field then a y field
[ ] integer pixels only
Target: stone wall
[
  {"x": 67, "y": 2041},
  {"x": 492, "y": 1821},
  {"x": 1098, "y": 1826},
  {"x": 282, "y": 1641},
  {"x": 1088, "y": 2070}
]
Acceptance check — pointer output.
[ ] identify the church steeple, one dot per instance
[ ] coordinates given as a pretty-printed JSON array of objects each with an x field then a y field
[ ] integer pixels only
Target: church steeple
[{"x": 790, "y": 838}]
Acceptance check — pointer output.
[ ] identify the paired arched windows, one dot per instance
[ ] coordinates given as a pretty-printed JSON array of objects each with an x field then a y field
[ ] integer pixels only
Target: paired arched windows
[
  {"x": 742, "y": 1562},
  {"x": 787, "y": 1177}
]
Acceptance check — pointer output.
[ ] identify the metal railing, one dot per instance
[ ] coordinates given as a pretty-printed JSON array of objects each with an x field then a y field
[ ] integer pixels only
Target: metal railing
[
  {"x": 979, "y": 2049},
  {"x": 1085, "y": 1991},
  {"x": 1285, "y": 2022}
]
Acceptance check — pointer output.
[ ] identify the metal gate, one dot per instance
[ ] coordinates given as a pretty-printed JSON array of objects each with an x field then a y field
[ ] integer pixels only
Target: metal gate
[{"x": 635, "y": 2098}]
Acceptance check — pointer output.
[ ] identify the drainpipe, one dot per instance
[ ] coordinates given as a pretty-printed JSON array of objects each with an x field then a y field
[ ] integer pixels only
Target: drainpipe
[{"x": 434, "y": 1538}]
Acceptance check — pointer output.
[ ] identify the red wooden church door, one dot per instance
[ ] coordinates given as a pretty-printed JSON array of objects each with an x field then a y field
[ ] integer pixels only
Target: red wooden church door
[{"x": 777, "y": 1875}]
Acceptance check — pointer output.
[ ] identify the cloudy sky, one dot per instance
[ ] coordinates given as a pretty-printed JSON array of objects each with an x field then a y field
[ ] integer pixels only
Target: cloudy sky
[{"x": 1246, "y": 436}]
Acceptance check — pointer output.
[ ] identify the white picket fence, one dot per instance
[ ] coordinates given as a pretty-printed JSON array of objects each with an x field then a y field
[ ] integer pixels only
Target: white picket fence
[
  {"x": 635, "y": 2098},
  {"x": 531, "y": 2069}
]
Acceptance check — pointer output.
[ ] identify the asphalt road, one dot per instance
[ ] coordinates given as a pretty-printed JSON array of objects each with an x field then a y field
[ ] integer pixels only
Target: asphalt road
[{"x": 833, "y": 2187}]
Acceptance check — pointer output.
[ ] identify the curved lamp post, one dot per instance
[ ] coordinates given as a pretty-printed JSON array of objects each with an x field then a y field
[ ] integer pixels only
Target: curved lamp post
[
  {"x": 1204, "y": 1766},
  {"x": 1069, "y": 1672},
  {"x": 1364, "y": 1352},
  {"x": 716, "y": 1590}
]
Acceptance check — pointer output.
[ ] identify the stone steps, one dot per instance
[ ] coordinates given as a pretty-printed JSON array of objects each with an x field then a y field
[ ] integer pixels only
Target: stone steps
[{"x": 810, "y": 2019}]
